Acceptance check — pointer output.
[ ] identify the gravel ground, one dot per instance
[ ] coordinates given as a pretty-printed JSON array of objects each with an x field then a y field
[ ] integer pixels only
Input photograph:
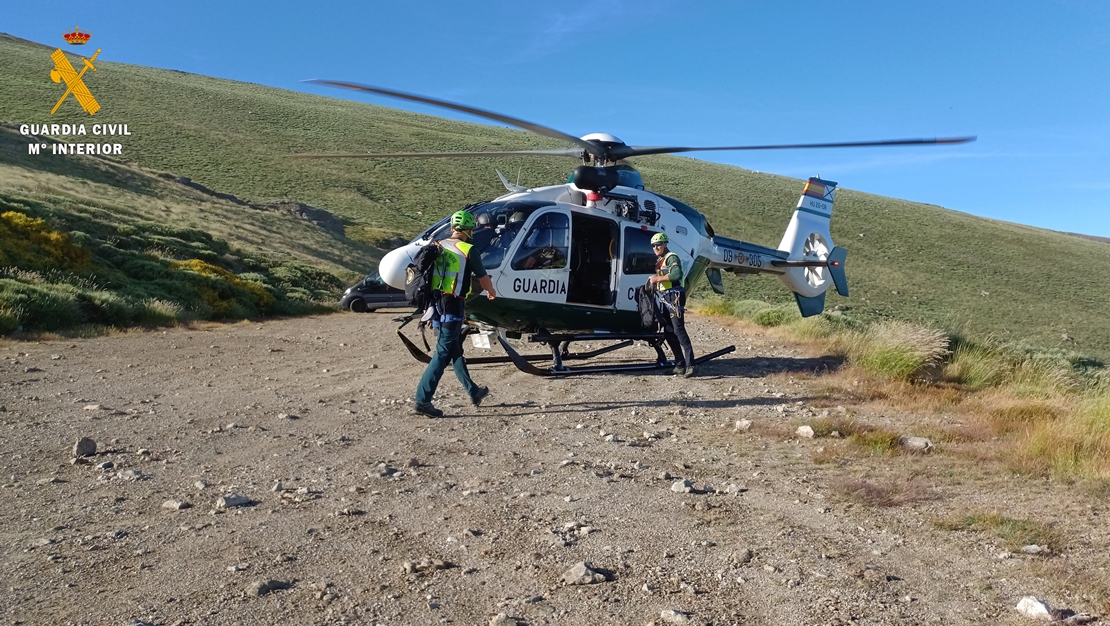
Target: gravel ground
[{"x": 358, "y": 511}]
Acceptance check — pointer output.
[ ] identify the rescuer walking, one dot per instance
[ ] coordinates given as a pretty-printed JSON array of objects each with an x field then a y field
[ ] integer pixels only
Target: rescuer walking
[{"x": 451, "y": 285}]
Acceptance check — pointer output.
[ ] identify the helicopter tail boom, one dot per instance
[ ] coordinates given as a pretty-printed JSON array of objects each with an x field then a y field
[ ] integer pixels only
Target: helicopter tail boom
[{"x": 806, "y": 260}]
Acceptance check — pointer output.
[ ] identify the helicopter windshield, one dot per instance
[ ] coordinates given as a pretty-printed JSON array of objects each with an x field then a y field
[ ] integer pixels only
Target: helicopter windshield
[{"x": 498, "y": 225}]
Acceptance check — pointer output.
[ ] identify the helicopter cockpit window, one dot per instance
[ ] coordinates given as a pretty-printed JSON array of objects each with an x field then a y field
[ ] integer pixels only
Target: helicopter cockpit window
[
  {"x": 546, "y": 244},
  {"x": 499, "y": 223},
  {"x": 638, "y": 255},
  {"x": 496, "y": 226}
]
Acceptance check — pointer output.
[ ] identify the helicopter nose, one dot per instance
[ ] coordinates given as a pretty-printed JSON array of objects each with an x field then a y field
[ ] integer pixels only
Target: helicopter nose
[{"x": 393, "y": 265}]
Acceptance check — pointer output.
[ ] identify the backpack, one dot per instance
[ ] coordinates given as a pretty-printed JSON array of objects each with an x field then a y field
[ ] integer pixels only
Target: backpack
[
  {"x": 418, "y": 276},
  {"x": 645, "y": 304}
]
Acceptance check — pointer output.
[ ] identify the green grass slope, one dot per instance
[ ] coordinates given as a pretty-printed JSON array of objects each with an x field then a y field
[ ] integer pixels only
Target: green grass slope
[{"x": 910, "y": 261}]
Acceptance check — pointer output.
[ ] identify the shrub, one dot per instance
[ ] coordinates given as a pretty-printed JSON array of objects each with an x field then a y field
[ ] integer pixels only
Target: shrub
[
  {"x": 1040, "y": 377},
  {"x": 815, "y": 327},
  {"x": 105, "y": 307},
  {"x": 1074, "y": 444},
  {"x": 119, "y": 271},
  {"x": 225, "y": 294},
  {"x": 898, "y": 350},
  {"x": 776, "y": 315},
  {"x": 717, "y": 306},
  {"x": 11, "y": 318},
  {"x": 30, "y": 243},
  {"x": 975, "y": 367},
  {"x": 746, "y": 309},
  {"x": 45, "y": 307},
  {"x": 878, "y": 440},
  {"x": 844, "y": 426},
  {"x": 253, "y": 277},
  {"x": 157, "y": 312}
]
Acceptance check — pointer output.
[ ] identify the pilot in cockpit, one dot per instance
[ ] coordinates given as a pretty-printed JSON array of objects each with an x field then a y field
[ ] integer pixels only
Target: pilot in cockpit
[
  {"x": 483, "y": 233},
  {"x": 502, "y": 238}
]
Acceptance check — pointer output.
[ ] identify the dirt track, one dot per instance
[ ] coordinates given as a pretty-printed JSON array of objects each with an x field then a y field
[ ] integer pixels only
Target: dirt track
[{"x": 385, "y": 517}]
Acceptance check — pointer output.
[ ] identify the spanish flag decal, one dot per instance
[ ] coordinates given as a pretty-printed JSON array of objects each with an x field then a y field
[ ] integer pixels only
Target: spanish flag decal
[{"x": 815, "y": 189}]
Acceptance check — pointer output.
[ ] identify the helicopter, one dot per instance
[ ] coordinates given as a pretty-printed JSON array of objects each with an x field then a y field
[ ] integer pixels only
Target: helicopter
[{"x": 566, "y": 259}]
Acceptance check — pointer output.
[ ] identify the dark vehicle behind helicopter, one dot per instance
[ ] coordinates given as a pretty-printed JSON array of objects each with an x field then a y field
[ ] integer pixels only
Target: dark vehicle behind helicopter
[{"x": 371, "y": 293}]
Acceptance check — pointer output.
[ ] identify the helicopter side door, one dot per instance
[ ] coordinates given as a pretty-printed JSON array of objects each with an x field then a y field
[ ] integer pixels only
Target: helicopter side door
[
  {"x": 595, "y": 244},
  {"x": 637, "y": 264},
  {"x": 537, "y": 268}
]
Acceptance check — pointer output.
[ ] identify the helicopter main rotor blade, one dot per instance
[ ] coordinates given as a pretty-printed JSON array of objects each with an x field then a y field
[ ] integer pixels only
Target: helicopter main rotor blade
[
  {"x": 593, "y": 149},
  {"x": 623, "y": 152},
  {"x": 562, "y": 152}
]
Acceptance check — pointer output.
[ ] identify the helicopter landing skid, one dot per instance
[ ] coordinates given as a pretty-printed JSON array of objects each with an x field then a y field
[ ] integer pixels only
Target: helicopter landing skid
[
  {"x": 559, "y": 344},
  {"x": 425, "y": 358}
]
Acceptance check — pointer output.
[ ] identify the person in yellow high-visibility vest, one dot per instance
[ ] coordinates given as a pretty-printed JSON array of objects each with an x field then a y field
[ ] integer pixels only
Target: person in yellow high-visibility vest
[
  {"x": 451, "y": 285},
  {"x": 668, "y": 281}
]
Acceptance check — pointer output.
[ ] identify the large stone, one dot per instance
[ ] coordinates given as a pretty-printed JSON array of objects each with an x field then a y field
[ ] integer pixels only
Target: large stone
[
  {"x": 232, "y": 500},
  {"x": 84, "y": 447},
  {"x": 805, "y": 431},
  {"x": 1031, "y": 606},
  {"x": 742, "y": 557},
  {"x": 915, "y": 444},
  {"x": 581, "y": 574},
  {"x": 674, "y": 616},
  {"x": 682, "y": 486}
]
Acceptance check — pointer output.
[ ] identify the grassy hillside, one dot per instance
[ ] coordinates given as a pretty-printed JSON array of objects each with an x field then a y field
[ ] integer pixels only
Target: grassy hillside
[{"x": 911, "y": 261}]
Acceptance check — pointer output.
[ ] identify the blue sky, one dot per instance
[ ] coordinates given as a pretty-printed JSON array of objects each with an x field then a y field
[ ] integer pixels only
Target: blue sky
[{"x": 1030, "y": 78}]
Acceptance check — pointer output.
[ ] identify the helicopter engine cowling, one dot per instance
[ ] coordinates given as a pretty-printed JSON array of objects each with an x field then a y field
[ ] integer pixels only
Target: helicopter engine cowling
[{"x": 598, "y": 179}]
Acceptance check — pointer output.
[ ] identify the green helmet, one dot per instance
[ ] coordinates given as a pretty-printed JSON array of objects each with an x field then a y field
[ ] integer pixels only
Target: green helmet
[
  {"x": 461, "y": 220},
  {"x": 659, "y": 238}
]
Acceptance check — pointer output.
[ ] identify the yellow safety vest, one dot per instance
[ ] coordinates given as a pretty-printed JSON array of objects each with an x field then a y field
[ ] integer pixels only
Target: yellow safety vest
[
  {"x": 449, "y": 267},
  {"x": 666, "y": 284}
]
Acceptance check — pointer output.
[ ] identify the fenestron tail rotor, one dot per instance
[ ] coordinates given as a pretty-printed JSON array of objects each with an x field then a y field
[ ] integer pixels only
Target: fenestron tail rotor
[
  {"x": 815, "y": 249},
  {"x": 604, "y": 149}
]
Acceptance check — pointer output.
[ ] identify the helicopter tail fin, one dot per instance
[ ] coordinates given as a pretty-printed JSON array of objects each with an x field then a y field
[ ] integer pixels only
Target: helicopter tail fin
[
  {"x": 813, "y": 263},
  {"x": 510, "y": 186}
]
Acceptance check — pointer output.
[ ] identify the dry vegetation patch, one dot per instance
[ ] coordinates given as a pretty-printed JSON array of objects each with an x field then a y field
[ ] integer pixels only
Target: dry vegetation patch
[
  {"x": 1014, "y": 532},
  {"x": 886, "y": 492},
  {"x": 1042, "y": 412}
]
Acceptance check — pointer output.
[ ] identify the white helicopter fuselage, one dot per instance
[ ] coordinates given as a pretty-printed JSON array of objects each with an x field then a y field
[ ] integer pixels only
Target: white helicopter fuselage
[{"x": 567, "y": 257}]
